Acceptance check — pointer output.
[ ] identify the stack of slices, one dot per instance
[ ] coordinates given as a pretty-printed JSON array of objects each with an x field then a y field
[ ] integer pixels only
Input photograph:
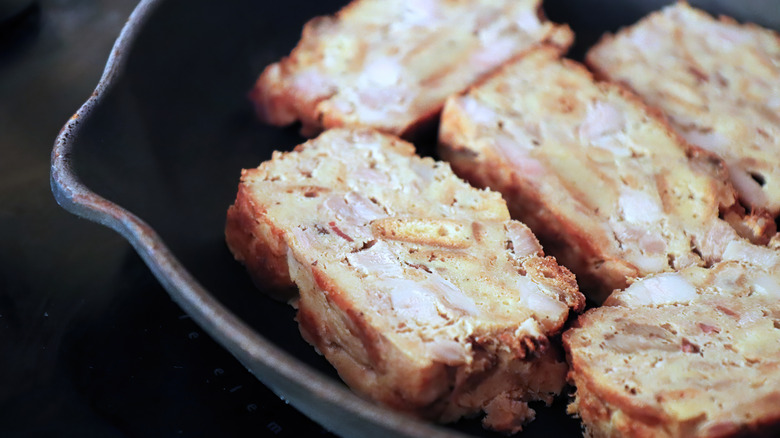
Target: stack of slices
[{"x": 428, "y": 298}]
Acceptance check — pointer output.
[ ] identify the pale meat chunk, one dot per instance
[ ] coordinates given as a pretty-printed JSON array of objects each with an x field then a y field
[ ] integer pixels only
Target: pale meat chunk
[
  {"x": 390, "y": 64},
  {"x": 605, "y": 184},
  {"x": 694, "y": 353},
  {"x": 716, "y": 80},
  {"x": 417, "y": 287}
]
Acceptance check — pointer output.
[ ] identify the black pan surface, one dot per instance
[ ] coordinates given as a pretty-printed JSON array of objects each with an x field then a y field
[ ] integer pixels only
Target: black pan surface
[{"x": 165, "y": 136}]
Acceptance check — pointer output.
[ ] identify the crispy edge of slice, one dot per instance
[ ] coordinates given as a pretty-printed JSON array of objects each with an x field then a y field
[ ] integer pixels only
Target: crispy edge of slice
[
  {"x": 596, "y": 271},
  {"x": 488, "y": 170},
  {"x": 375, "y": 367},
  {"x": 365, "y": 359},
  {"x": 372, "y": 364},
  {"x": 753, "y": 224},
  {"x": 607, "y": 412},
  {"x": 257, "y": 243},
  {"x": 277, "y": 103}
]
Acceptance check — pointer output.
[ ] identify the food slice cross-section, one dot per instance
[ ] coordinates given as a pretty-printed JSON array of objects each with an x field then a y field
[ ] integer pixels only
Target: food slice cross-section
[
  {"x": 417, "y": 287},
  {"x": 716, "y": 80},
  {"x": 694, "y": 353},
  {"x": 607, "y": 186},
  {"x": 390, "y": 64}
]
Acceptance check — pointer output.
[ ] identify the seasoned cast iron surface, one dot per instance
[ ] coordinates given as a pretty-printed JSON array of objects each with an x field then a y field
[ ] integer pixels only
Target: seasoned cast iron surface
[{"x": 169, "y": 140}]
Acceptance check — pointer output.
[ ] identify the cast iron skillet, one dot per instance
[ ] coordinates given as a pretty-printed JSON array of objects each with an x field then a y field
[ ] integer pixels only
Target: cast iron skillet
[{"x": 164, "y": 137}]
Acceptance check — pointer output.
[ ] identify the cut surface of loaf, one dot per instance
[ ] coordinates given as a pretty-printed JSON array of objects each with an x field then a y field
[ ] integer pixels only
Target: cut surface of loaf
[
  {"x": 608, "y": 188},
  {"x": 694, "y": 353},
  {"x": 717, "y": 81},
  {"x": 417, "y": 287},
  {"x": 390, "y": 64}
]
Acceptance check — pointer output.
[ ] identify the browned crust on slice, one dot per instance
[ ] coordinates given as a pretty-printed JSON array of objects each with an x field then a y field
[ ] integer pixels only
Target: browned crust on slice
[
  {"x": 511, "y": 148},
  {"x": 575, "y": 247},
  {"x": 389, "y": 65},
  {"x": 367, "y": 361},
  {"x": 417, "y": 287},
  {"x": 256, "y": 242},
  {"x": 715, "y": 86},
  {"x": 688, "y": 354}
]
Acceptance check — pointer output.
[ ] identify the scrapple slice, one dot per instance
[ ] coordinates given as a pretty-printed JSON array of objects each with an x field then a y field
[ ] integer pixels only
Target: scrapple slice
[
  {"x": 390, "y": 64},
  {"x": 689, "y": 354},
  {"x": 417, "y": 287},
  {"x": 717, "y": 80},
  {"x": 609, "y": 188}
]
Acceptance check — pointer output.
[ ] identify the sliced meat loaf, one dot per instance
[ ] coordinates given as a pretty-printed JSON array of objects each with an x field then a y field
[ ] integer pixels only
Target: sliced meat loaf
[
  {"x": 610, "y": 189},
  {"x": 694, "y": 353},
  {"x": 390, "y": 64},
  {"x": 417, "y": 287},
  {"x": 717, "y": 81}
]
